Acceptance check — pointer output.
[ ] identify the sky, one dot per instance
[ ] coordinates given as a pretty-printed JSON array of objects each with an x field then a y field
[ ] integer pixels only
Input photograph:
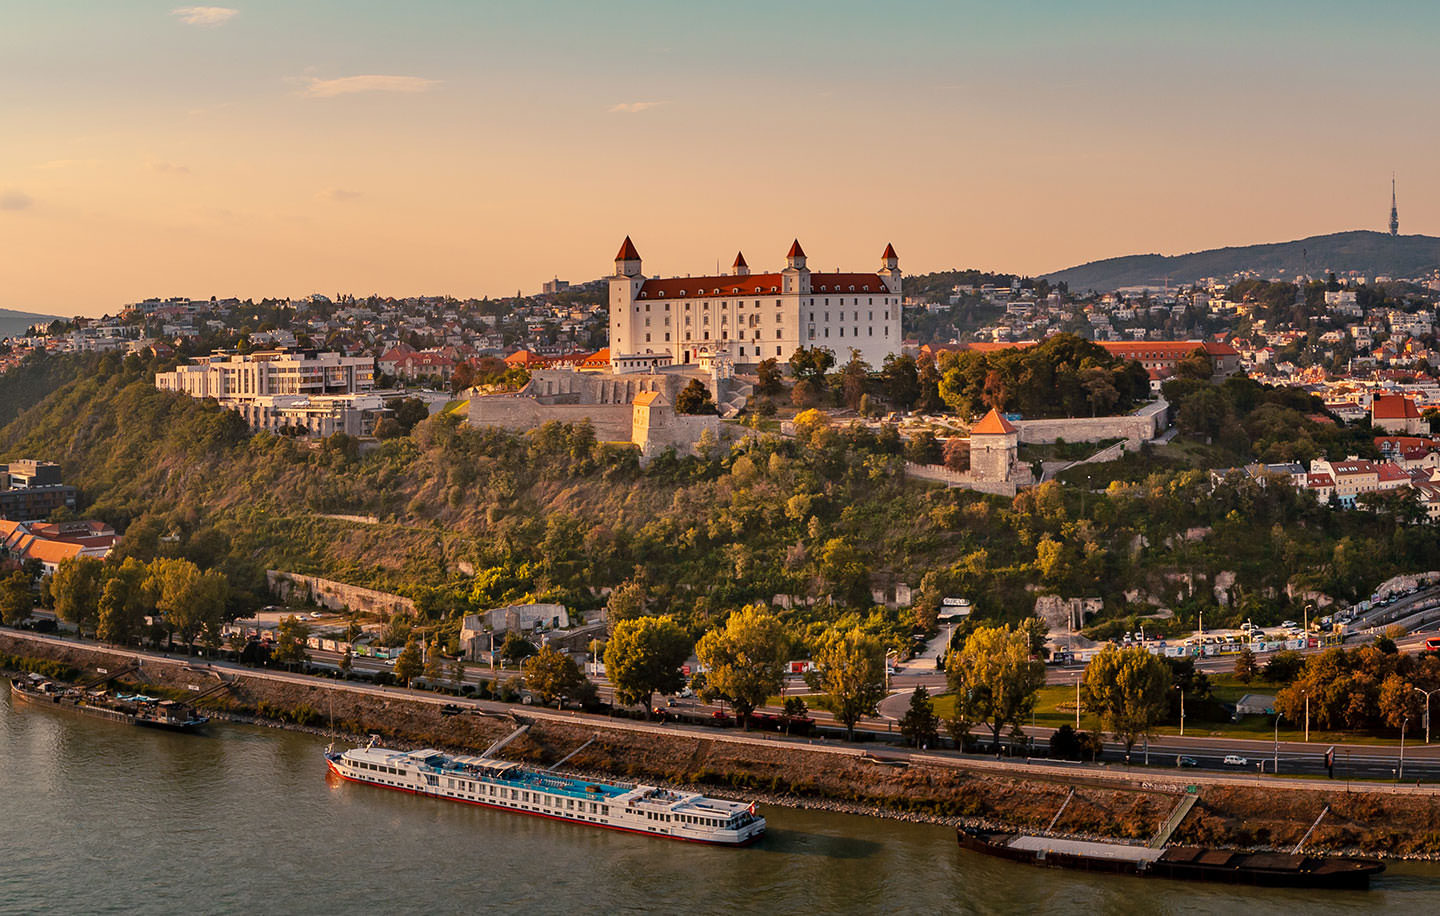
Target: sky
[{"x": 469, "y": 148}]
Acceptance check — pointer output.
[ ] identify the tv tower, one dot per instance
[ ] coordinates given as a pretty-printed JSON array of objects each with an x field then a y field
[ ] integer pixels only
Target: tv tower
[{"x": 1394, "y": 213}]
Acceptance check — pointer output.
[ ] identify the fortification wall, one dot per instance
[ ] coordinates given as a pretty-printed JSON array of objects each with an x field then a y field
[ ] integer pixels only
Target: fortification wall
[
  {"x": 335, "y": 595},
  {"x": 1134, "y": 429},
  {"x": 611, "y": 421}
]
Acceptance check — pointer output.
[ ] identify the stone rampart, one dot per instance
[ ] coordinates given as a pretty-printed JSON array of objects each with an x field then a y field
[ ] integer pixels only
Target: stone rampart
[
  {"x": 335, "y": 595},
  {"x": 611, "y": 421},
  {"x": 1134, "y": 429}
]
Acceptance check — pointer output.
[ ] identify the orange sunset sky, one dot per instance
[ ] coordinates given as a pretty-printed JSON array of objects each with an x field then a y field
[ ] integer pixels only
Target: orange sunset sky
[{"x": 471, "y": 149}]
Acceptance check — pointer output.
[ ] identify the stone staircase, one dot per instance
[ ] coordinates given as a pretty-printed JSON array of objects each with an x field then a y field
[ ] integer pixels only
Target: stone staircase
[{"x": 737, "y": 393}]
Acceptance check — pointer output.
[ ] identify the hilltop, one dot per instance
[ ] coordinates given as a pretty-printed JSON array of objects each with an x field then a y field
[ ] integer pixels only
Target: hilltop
[
  {"x": 1371, "y": 253},
  {"x": 13, "y": 324}
]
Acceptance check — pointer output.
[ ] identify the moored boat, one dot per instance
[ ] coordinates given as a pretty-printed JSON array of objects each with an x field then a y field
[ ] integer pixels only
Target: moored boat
[
  {"x": 482, "y": 780},
  {"x": 1183, "y": 863},
  {"x": 126, "y": 709}
]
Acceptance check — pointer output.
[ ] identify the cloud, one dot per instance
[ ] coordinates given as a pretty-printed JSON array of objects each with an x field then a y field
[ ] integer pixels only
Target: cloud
[
  {"x": 170, "y": 168},
  {"x": 632, "y": 107},
  {"x": 15, "y": 199},
  {"x": 338, "y": 195},
  {"x": 206, "y": 17},
  {"x": 345, "y": 85}
]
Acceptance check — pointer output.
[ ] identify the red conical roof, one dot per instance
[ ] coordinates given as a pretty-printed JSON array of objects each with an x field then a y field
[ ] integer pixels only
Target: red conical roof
[
  {"x": 739, "y": 260},
  {"x": 627, "y": 251},
  {"x": 795, "y": 250},
  {"x": 890, "y": 252},
  {"x": 992, "y": 425}
]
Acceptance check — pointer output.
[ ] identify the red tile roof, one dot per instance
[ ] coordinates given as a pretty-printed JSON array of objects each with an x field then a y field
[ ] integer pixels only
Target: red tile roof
[
  {"x": 795, "y": 250},
  {"x": 992, "y": 425},
  {"x": 757, "y": 285},
  {"x": 1393, "y": 407},
  {"x": 889, "y": 252},
  {"x": 739, "y": 260},
  {"x": 627, "y": 251}
]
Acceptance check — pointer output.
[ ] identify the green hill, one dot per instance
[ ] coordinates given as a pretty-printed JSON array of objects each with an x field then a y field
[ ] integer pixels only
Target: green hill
[
  {"x": 14, "y": 324},
  {"x": 1371, "y": 253}
]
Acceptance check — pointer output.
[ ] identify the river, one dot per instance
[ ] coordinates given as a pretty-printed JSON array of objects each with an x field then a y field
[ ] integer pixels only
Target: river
[{"x": 98, "y": 818}]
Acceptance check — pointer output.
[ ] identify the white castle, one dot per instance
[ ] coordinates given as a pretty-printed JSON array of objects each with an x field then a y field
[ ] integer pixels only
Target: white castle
[{"x": 745, "y": 318}]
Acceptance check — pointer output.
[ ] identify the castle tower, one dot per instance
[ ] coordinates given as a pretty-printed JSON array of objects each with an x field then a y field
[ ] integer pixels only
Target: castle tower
[
  {"x": 795, "y": 276},
  {"x": 624, "y": 291},
  {"x": 994, "y": 445},
  {"x": 890, "y": 269},
  {"x": 740, "y": 268}
]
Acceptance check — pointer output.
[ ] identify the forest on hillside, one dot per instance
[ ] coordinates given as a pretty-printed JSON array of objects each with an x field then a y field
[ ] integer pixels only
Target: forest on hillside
[{"x": 474, "y": 518}]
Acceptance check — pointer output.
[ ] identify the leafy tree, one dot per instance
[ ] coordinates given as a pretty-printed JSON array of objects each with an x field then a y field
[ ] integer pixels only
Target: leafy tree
[
  {"x": 189, "y": 600},
  {"x": 127, "y": 599},
  {"x": 347, "y": 662},
  {"x": 643, "y": 657},
  {"x": 771, "y": 379},
  {"x": 745, "y": 660},
  {"x": 16, "y": 598},
  {"x": 432, "y": 662},
  {"x": 457, "y": 672},
  {"x": 694, "y": 398},
  {"x": 1283, "y": 667},
  {"x": 810, "y": 364},
  {"x": 627, "y": 601},
  {"x": 900, "y": 381},
  {"x": 1195, "y": 365},
  {"x": 850, "y": 671},
  {"x": 995, "y": 678},
  {"x": 1246, "y": 668},
  {"x": 956, "y": 454},
  {"x": 408, "y": 665},
  {"x": 552, "y": 674},
  {"x": 920, "y": 726},
  {"x": 76, "y": 586},
  {"x": 516, "y": 648},
  {"x": 1128, "y": 688},
  {"x": 924, "y": 448},
  {"x": 408, "y": 412},
  {"x": 289, "y": 649}
]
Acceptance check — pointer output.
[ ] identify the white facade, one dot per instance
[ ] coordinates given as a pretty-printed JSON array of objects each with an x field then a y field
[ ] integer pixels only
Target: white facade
[{"x": 753, "y": 317}]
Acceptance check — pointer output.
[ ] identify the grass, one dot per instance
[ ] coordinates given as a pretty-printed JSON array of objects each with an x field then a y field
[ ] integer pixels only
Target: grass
[{"x": 452, "y": 406}]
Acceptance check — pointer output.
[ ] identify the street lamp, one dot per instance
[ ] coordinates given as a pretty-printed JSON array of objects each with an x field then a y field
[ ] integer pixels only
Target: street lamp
[
  {"x": 1275, "y": 766},
  {"x": 1181, "y": 688},
  {"x": 1400, "y": 772},
  {"x": 1427, "y": 694}
]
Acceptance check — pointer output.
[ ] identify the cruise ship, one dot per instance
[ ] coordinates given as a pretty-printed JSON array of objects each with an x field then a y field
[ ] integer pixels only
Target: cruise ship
[{"x": 504, "y": 784}]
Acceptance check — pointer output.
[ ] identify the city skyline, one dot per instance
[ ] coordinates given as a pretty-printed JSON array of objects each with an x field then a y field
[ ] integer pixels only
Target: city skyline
[{"x": 262, "y": 148}]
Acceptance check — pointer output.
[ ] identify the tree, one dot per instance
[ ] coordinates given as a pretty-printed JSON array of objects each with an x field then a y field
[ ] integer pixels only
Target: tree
[
  {"x": 408, "y": 665},
  {"x": 126, "y": 600},
  {"x": 16, "y": 598},
  {"x": 76, "y": 585},
  {"x": 956, "y": 454},
  {"x": 810, "y": 364},
  {"x": 1246, "y": 669},
  {"x": 457, "y": 672},
  {"x": 516, "y": 648},
  {"x": 694, "y": 398},
  {"x": 552, "y": 674},
  {"x": 850, "y": 671},
  {"x": 189, "y": 600},
  {"x": 1129, "y": 689},
  {"x": 290, "y": 637},
  {"x": 643, "y": 657},
  {"x": 920, "y": 726},
  {"x": 770, "y": 378},
  {"x": 627, "y": 601},
  {"x": 1195, "y": 365},
  {"x": 347, "y": 661},
  {"x": 995, "y": 678},
  {"x": 900, "y": 380},
  {"x": 745, "y": 660},
  {"x": 432, "y": 662},
  {"x": 408, "y": 412}
]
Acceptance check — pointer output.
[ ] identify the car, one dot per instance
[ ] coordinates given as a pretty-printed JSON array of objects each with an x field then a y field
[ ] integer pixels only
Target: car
[
  {"x": 316, "y": 615},
  {"x": 1289, "y": 624},
  {"x": 1235, "y": 760},
  {"x": 1186, "y": 762}
]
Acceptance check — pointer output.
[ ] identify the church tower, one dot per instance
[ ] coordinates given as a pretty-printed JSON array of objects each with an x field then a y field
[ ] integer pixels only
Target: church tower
[
  {"x": 740, "y": 268},
  {"x": 796, "y": 276}
]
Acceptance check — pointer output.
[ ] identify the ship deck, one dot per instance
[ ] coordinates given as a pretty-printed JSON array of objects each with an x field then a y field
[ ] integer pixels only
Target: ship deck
[{"x": 1118, "y": 851}]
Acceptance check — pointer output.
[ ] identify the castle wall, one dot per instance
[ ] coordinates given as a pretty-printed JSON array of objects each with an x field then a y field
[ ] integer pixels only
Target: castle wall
[{"x": 1134, "y": 428}]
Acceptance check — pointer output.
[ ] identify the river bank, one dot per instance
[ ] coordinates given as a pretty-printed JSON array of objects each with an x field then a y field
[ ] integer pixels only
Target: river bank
[{"x": 821, "y": 775}]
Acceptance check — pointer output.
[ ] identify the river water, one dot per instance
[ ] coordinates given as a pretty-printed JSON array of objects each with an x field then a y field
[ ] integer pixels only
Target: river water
[{"x": 98, "y": 818}]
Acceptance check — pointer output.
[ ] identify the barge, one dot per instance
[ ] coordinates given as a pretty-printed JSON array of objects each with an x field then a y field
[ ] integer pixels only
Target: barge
[
  {"x": 132, "y": 709},
  {"x": 1181, "y": 863}
]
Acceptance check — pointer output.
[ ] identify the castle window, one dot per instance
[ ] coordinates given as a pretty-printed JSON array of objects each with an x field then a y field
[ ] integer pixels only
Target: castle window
[
  {"x": 842, "y": 332},
  {"x": 777, "y": 333},
  {"x": 687, "y": 335},
  {"x": 647, "y": 306},
  {"x": 707, "y": 335},
  {"x": 870, "y": 316},
  {"x": 687, "y": 306},
  {"x": 642, "y": 295},
  {"x": 869, "y": 332},
  {"x": 667, "y": 336},
  {"x": 647, "y": 338},
  {"x": 777, "y": 351}
]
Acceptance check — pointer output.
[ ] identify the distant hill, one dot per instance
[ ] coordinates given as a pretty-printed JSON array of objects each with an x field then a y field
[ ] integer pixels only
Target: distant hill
[
  {"x": 1372, "y": 253},
  {"x": 13, "y": 324}
]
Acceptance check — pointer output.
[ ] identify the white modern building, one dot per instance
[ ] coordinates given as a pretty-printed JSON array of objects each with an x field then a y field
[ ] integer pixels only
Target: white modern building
[{"x": 749, "y": 317}]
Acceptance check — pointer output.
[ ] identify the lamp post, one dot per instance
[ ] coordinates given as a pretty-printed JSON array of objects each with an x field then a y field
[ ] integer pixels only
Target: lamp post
[
  {"x": 1077, "y": 702},
  {"x": 1400, "y": 772},
  {"x": 1181, "y": 688},
  {"x": 1275, "y": 765},
  {"x": 1307, "y": 716},
  {"x": 1427, "y": 694}
]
